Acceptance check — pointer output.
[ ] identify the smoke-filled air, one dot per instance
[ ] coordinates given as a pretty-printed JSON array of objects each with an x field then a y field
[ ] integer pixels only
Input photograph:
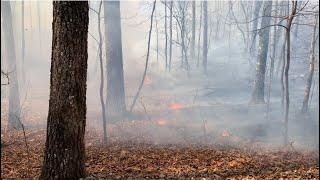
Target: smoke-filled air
[{"x": 160, "y": 89}]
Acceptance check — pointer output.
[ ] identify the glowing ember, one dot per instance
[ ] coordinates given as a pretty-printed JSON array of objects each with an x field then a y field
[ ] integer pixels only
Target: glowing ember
[
  {"x": 147, "y": 81},
  {"x": 176, "y": 106},
  {"x": 161, "y": 122},
  {"x": 225, "y": 134}
]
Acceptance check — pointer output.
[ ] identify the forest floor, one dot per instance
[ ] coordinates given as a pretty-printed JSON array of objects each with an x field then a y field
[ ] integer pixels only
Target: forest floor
[{"x": 138, "y": 159}]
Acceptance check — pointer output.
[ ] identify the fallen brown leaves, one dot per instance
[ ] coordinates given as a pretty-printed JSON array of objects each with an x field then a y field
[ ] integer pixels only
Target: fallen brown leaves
[{"x": 128, "y": 160}]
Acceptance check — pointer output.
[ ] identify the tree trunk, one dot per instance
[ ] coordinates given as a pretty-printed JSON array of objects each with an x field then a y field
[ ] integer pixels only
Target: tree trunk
[
  {"x": 304, "y": 108},
  {"x": 14, "y": 96},
  {"x": 115, "y": 81},
  {"x": 286, "y": 70},
  {"x": 199, "y": 35},
  {"x": 170, "y": 34},
  {"x": 258, "y": 89},
  {"x": 205, "y": 37},
  {"x": 64, "y": 155},
  {"x": 272, "y": 58},
  {"x": 193, "y": 36},
  {"x": 22, "y": 44},
  {"x": 101, "y": 92},
  {"x": 257, "y": 7},
  {"x": 166, "y": 33}
]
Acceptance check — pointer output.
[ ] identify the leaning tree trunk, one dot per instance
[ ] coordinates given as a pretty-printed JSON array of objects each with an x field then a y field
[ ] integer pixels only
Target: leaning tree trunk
[
  {"x": 304, "y": 108},
  {"x": 258, "y": 89},
  {"x": 64, "y": 155},
  {"x": 205, "y": 37},
  {"x": 257, "y": 7},
  {"x": 14, "y": 96},
  {"x": 115, "y": 81}
]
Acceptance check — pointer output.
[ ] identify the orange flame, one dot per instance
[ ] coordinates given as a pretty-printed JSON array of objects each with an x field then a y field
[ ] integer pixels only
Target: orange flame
[
  {"x": 225, "y": 134},
  {"x": 161, "y": 122},
  {"x": 176, "y": 106}
]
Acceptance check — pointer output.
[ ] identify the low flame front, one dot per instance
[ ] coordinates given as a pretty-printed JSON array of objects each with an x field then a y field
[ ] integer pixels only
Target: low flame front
[
  {"x": 161, "y": 122},
  {"x": 176, "y": 106},
  {"x": 225, "y": 133}
]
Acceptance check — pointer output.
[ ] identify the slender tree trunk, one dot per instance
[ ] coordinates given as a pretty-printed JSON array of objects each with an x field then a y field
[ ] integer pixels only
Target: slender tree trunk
[
  {"x": 287, "y": 66},
  {"x": 166, "y": 33},
  {"x": 193, "y": 37},
  {"x": 14, "y": 96},
  {"x": 170, "y": 34},
  {"x": 259, "y": 83},
  {"x": 305, "y": 103},
  {"x": 257, "y": 7},
  {"x": 199, "y": 35},
  {"x": 157, "y": 34},
  {"x": 147, "y": 60},
  {"x": 64, "y": 155},
  {"x": 22, "y": 44},
  {"x": 205, "y": 37},
  {"x": 115, "y": 81},
  {"x": 101, "y": 92},
  {"x": 274, "y": 41}
]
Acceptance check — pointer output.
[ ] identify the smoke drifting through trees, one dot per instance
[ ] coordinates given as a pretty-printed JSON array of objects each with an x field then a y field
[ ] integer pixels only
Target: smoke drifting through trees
[{"x": 200, "y": 46}]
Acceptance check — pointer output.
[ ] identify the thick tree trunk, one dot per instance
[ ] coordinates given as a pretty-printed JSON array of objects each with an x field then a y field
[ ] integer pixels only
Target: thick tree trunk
[
  {"x": 305, "y": 103},
  {"x": 64, "y": 156},
  {"x": 193, "y": 36},
  {"x": 258, "y": 89},
  {"x": 115, "y": 80},
  {"x": 257, "y": 7},
  {"x": 205, "y": 38},
  {"x": 14, "y": 96}
]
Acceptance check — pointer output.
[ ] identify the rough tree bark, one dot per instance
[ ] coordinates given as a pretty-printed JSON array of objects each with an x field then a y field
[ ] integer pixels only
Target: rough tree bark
[
  {"x": 14, "y": 96},
  {"x": 64, "y": 155},
  {"x": 115, "y": 80},
  {"x": 305, "y": 102},
  {"x": 205, "y": 38},
  {"x": 258, "y": 89}
]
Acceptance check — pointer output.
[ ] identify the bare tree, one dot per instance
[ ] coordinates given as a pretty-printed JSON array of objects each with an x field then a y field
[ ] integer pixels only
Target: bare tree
[
  {"x": 14, "y": 95},
  {"x": 287, "y": 66},
  {"x": 147, "y": 60},
  {"x": 304, "y": 108},
  {"x": 64, "y": 155}
]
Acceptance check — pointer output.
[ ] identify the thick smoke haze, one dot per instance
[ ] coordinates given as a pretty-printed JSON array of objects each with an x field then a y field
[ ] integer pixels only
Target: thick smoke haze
[{"x": 178, "y": 105}]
